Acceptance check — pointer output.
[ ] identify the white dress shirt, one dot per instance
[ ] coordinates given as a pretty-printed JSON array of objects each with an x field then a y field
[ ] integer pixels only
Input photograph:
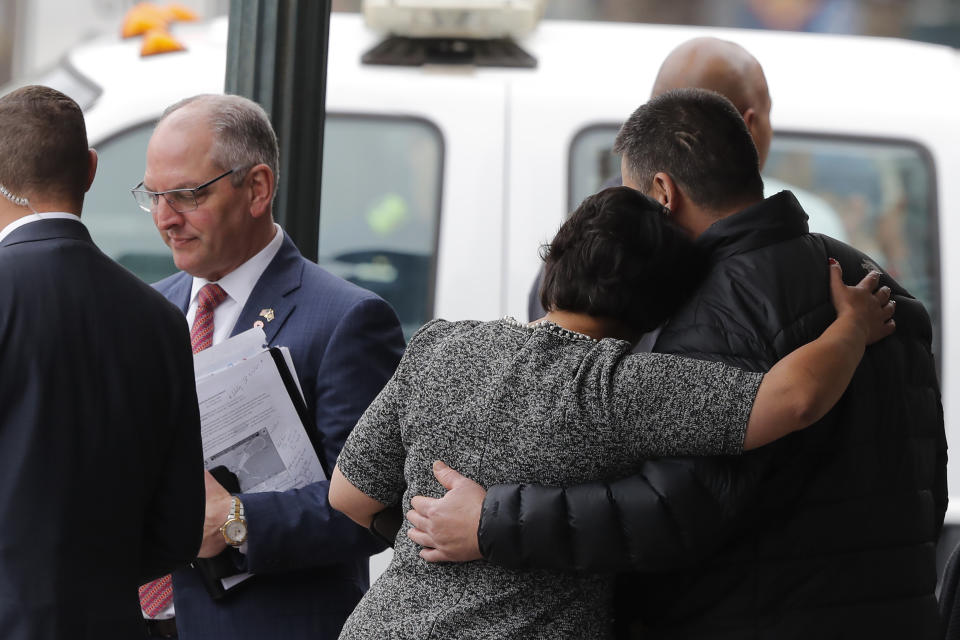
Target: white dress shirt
[
  {"x": 36, "y": 217},
  {"x": 238, "y": 284}
]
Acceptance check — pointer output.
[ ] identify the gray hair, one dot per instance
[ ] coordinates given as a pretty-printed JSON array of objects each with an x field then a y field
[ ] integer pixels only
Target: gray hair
[{"x": 242, "y": 134}]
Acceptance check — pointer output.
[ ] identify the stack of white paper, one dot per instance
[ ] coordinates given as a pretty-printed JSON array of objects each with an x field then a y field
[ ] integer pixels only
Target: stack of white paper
[{"x": 249, "y": 422}]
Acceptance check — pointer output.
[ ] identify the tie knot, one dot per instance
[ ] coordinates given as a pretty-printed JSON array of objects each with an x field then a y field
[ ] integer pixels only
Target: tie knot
[{"x": 210, "y": 296}]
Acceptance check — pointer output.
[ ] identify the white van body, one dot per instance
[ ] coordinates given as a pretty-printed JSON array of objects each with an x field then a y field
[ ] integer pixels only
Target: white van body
[{"x": 511, "y": 142}]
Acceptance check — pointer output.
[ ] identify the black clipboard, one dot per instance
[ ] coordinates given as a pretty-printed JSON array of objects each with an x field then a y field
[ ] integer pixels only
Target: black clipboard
[{"x": 316, "y": 438}]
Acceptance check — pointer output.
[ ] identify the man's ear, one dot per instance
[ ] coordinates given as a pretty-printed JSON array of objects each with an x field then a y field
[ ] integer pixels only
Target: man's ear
[
  {"x": 261, "y": 183},
  {"x": 665, "y": 191},
  {"x": 750, "y": 118},
  {"x": 91, "y": 169}
]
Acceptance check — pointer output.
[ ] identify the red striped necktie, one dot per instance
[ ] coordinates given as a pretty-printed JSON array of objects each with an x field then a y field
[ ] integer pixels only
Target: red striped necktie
[
  {"x": 209, "y": 298},
  {"x": 155, "y": 596}
]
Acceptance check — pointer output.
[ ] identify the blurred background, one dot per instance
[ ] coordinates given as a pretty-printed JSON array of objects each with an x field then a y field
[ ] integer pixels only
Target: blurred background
[{"x": 35, "y": 33}]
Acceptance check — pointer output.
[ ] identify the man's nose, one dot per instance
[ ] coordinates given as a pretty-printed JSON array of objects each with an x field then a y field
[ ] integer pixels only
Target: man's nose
[{"x": 165, "y": 216}]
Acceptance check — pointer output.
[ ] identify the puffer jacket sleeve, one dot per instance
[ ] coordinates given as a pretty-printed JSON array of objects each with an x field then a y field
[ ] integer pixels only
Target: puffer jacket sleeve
[{"x": 669, "y": 515}]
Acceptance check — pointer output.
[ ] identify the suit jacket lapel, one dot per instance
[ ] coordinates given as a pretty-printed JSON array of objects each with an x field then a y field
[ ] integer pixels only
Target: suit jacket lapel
[
  {"x": 271, "y": 301},
  {"x": 179, "y": 293}
]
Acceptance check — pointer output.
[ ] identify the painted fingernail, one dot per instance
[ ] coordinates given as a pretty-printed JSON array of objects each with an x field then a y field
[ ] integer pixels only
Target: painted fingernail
[{"x": 832, "y": 261}]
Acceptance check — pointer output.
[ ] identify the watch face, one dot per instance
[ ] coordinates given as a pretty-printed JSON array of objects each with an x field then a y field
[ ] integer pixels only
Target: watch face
[{"x": 235, "y": 531}]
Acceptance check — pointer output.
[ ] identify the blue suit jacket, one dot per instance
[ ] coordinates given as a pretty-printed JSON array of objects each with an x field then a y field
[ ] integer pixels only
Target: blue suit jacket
[
  {"x": 310, "y": 562},
  {"x": 101, "y": 469}
]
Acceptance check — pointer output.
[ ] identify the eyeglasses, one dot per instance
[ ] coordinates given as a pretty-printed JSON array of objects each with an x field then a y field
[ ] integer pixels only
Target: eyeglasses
[{"x": 180, "y": 200}]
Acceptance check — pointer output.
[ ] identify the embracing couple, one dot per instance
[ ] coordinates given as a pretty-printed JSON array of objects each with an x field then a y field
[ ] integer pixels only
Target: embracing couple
[{"x": 575, "y": 515}]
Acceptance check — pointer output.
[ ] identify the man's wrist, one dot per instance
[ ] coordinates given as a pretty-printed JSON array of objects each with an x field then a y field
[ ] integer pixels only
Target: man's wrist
[{"x": 234, "y": 528}]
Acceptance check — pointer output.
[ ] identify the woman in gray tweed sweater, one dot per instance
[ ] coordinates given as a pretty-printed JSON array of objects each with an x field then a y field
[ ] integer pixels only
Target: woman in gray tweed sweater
[{"x": 564, "y": 401}]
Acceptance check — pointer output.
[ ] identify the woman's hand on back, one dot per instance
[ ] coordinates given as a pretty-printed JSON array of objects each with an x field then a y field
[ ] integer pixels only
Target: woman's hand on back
[
  {"x": 803, "y": 386},
  {"x": 868, "y": 307}
]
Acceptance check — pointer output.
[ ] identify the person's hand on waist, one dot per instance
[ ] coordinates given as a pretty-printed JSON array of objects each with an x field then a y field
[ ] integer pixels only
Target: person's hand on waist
[{"x": 447, "y": 527}]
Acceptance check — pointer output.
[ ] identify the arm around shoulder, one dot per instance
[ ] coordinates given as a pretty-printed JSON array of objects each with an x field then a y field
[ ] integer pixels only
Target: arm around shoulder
[{"x": 803, "y": 386}]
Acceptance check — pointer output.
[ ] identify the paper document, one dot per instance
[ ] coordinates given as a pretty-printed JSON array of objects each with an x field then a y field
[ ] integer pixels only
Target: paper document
[
  {"x": 252, "y": 421},
  {"x": 249, "y": 422},
  {"x": 230, "y": 351}
]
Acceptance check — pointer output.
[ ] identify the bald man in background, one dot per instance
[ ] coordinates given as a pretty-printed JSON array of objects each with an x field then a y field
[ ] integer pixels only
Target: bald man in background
[{"x": 730, "y": 70}]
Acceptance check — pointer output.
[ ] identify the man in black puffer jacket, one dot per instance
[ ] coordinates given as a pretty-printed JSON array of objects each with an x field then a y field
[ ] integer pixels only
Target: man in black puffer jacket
[{"x": 828, "y": 533}]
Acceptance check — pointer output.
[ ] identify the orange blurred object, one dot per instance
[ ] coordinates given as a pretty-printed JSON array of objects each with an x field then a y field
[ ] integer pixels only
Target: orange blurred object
[
  {"x": 159, "y": 40},
  {"x": 180, "y": 13},
  {"x": 142, "y": 18},
  {"x": 145, "y": 16}
]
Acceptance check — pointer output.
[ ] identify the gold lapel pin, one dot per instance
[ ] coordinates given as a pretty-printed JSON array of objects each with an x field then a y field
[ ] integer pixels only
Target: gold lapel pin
[{"x": 267, "y": 314}]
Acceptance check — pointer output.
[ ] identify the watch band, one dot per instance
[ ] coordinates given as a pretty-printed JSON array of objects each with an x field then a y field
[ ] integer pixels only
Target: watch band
[
  {"x": 236, "y": 516},
  {"x": 236, "y": 510}
]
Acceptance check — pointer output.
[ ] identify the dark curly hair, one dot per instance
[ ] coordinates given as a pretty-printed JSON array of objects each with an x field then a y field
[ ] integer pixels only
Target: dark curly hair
[{"x": 619, "y": 256}]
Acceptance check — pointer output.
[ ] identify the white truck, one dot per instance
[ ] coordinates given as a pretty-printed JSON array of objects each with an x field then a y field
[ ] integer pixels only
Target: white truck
[{"x": 440, "y": 182}]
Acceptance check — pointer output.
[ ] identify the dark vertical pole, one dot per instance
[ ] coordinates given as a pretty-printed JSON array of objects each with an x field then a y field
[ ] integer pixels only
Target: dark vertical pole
[{"x": 277, "y": 56}]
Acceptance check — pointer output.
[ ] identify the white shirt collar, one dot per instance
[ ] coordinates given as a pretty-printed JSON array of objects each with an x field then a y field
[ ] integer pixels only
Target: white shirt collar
[
  {"x": 240, "y": 282},
  {"x": 36, "y": 217}
]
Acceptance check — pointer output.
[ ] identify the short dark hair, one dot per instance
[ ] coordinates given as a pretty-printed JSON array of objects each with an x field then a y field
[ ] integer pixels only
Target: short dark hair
[
  {"x": 43, "y": 143},
  {"x": 619, "y": 256},
  {"x": 699, "y": 139}
]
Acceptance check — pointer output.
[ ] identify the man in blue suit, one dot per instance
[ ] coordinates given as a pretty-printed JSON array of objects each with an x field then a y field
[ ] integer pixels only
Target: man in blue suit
[
  {"x": 209, "y": 184},
  {"x": 101, "y": 469}
]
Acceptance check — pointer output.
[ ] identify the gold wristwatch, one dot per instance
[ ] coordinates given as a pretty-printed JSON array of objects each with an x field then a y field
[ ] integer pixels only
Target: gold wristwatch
[{"x": 234, "y": 530}]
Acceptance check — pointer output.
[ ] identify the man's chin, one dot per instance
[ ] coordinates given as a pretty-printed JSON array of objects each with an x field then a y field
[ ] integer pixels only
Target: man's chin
[{"x": 184, "y": 262}]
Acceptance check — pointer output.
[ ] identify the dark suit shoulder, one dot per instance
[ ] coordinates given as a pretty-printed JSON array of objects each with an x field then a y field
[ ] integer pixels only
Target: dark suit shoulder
[
  {"x": 60, "y": 258},
  {"x": 170, "y": 282},
  {"x": 339, "y": 292}
]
